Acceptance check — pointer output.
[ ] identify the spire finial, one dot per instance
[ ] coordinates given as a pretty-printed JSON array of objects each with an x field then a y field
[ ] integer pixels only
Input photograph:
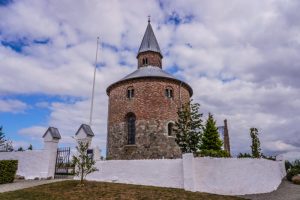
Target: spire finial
[{"x": 149, "y": 16}]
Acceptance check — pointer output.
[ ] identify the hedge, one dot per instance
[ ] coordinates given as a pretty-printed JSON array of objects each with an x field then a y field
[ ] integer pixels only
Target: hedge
[
  {"x": 8, "y": 169},
  {"x": 213, "y": 153}
]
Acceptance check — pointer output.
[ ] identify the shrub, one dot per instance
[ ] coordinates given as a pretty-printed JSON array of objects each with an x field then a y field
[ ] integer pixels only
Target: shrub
[
  {"x": 8, "y": 169},
  {"x": 268, "y": 157},
  {"x": 214, "y": 153},
  {"x": 84, "y": 164},
  {"x": 244, "y": 155},
  {"x": 292, "y": 172},
  {"x": 292, "y": 169}
]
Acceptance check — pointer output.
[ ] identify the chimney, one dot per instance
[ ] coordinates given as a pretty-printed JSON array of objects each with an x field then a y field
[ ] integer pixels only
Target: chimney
[{"x": 226, "y": 137}]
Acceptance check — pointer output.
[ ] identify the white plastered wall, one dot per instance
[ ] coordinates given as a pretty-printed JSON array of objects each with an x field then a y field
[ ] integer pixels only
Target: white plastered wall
[
  {"x": 163, "y": 173},
  {"x": 234, "y": 176},
  {"x": 35, "y": 163},
  {"x": 31, "y": 164},
  {"x": 81, "y": 136},
  {"x": 227, "y": 176}
]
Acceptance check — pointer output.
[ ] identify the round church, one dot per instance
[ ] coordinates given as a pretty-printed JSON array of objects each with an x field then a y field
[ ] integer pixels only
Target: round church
[{"x": 143, "y": 107}]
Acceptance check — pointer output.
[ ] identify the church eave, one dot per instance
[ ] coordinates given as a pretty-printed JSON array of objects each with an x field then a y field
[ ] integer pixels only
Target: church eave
[{"x": 154, "y": 77}]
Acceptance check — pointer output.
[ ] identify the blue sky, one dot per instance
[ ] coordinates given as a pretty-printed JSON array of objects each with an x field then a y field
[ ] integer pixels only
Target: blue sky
[{"x": 241, "y": 59}]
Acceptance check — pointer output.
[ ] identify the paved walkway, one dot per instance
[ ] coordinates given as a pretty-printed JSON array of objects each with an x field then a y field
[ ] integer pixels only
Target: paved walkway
[
  {"x": 286, "y": 191},
  {"x": 25, "y": 184}
]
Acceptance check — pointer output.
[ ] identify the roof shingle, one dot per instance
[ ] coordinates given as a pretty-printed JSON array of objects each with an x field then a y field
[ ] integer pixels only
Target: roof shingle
[
  {"x": 150, "y": 71},
  {"x": 54, "y": 133},
  {"x": 149, "y": 42},
  {"x": 87, "y": 129}
]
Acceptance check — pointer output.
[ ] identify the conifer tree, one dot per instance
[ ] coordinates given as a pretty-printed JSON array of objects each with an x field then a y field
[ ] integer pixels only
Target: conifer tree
[
  {"x": 30, "y": 147},
  {"x": 20, "y": 149},
  {"x": 5, "y": 145},
  {"x": 211, "y": 138},
  {"x": 2, "y": 137},
  {"x": 188, "y": 128},
  {"x": 255, "y": 147}
]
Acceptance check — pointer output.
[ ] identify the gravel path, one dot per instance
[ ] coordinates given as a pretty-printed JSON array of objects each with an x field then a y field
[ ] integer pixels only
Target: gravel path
[
  {"x": 286, "y": 191},
  {"x": 25, "y": 184}
]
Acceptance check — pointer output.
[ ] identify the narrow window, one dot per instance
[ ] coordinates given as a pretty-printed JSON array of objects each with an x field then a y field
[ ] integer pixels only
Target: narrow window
[
  {"x": 170, "y": 129},
  {"x": 145, "y": 61},
  {"x": 131, "y": 128},
  {"x": 130, "y": 92},
  {"x": 169, "y": 93}
]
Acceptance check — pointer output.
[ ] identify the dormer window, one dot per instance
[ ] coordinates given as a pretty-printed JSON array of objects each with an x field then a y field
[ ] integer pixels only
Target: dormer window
[
  {"x": 145, "y": 61},
  {"x": 130, "y": 93},
  {"x": 169, "y": 92}
]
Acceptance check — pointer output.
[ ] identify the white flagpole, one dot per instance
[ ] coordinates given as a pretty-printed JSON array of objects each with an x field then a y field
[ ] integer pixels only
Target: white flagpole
[{"x": 93, "y": 90}]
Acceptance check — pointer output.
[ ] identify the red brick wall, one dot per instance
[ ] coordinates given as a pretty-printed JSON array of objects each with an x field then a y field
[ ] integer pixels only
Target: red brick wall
[
  {"x": 153, "y": 111},
  {"x": 149, "y": 100},
  {"x": 154, "y": 59}
]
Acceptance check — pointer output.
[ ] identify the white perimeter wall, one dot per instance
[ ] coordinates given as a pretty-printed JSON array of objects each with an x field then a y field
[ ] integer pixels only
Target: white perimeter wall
[
  {"x": 228, "y": 176},
  {"x": 237, "y": 176},
  {"x": 163, "y": 173},
  {"x": 31, "y": 164}
]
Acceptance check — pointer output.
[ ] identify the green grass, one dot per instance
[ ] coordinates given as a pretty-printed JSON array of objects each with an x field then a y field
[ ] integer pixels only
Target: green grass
[{"x": 99, "y": 190}]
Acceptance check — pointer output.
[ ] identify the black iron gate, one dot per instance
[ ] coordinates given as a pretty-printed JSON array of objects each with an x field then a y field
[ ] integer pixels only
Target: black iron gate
[{"x": 63, "y": 165}]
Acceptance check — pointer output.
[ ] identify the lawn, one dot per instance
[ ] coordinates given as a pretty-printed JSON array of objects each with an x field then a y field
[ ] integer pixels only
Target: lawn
[{"x": 99, "y": 190}]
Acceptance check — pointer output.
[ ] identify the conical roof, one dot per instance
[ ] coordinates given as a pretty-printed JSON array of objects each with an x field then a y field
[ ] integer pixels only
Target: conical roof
[
  {"x": 150, "y": 72},
  {"x": 149, "y": 42}
]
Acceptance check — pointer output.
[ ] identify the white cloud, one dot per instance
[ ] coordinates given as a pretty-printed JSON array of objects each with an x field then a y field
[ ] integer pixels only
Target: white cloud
[
  {"x": 12, "y": 105},
  {"x": 241, "y": 58},
  {"x": 280, "y": 146},
  {"x": 34, "y": 131},
  {"x": 23, "y": 144}
]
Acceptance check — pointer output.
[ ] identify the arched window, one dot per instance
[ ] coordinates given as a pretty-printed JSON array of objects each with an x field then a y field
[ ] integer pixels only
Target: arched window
[
  {"x": 169, "y": 92},
  {"x": 170, "y": 128},
  {"x": 130, "y": 92},
  {"x": 131, "y": 128},
  {"x": 145, "y": 61}
]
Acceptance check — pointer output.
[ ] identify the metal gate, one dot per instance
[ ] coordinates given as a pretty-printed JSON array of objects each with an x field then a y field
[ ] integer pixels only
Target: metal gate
[{"x": 63, "y": 165}]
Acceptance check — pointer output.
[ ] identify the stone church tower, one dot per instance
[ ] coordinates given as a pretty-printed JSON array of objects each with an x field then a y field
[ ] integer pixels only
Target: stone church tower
[{"x": 143, "y": 107}]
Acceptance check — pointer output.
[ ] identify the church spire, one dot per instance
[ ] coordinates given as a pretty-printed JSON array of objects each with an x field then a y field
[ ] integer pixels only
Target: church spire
[{"x": 149, "y": 49}]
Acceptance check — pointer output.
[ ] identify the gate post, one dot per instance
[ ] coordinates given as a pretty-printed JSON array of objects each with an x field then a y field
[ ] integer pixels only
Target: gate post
[
  {"x": 51, "y": 139},
  {"x": 84, "y": 134}
]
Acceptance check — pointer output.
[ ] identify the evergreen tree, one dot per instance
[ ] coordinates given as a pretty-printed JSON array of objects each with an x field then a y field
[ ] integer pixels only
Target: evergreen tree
[
  {"x": 5, "y": 145},
  {"x": 188, "y": 128},
  {"x": 244, "y": 155},
  {"x": 20, "y": 149},
  {"x": 211, "y": 138},
  {"x": 2, "y": 137},
  {"x": 30, "y": 147},
  {"x": 255, "y": 147}
]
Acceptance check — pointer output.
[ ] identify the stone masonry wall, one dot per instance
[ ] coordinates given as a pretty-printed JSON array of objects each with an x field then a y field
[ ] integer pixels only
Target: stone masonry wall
[{"x": 153, "y": 111}]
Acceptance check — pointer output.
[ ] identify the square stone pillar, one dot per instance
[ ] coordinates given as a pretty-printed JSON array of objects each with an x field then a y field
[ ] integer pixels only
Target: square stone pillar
[
  {"x": 84, "y": 134},
  {"x": 51, "y": 139}
]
